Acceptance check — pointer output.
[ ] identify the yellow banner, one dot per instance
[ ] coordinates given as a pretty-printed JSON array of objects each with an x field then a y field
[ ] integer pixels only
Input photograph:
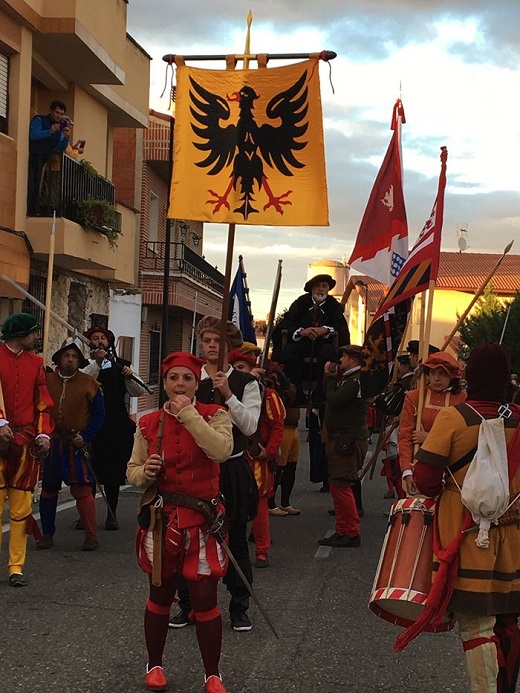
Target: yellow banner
[{"x": 248, "y": 147}]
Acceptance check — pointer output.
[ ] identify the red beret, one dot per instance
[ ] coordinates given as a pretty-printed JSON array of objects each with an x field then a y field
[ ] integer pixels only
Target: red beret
[
  {"x": 182, "y": 358},
  {"x": 237, "y": 355}
]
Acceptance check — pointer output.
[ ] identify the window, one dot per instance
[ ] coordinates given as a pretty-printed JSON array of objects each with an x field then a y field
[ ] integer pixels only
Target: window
[
  {"x": 99, "y": 320},
  {"x": 4, "y": 84},
  {"x": 125, "y": 348},
  {"x": 154, "y": 357}
]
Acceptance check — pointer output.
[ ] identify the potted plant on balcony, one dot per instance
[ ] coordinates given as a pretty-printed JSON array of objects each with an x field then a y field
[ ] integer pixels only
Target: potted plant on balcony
[{"x": 99, "y": 215}]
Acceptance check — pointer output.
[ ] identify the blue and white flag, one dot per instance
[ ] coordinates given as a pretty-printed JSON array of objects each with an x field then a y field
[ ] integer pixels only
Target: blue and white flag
[{"x": 239, "y": 308}]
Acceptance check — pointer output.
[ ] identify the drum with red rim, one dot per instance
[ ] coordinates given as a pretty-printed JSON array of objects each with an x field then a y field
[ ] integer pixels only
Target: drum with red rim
[{"x": 404, "y": 574}]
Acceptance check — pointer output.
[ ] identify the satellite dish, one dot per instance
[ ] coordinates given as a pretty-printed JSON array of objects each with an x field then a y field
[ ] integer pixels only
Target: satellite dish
[{"x": 462, "y": 243}]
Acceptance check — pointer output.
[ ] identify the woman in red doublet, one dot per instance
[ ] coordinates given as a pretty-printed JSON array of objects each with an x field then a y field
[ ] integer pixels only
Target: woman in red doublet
[{"x": 176, "y": 455}]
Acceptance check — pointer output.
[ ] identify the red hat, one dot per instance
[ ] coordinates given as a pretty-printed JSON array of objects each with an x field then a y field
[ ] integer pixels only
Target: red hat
[
  {"x": 446, "y": 361},
  {"x": 108, "y": 333},
  {"x": 237, "y": 355},
  {"x": 182, "y": 358}
]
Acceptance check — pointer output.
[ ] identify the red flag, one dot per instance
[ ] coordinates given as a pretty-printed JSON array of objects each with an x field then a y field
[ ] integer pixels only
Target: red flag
[
  {"x": 386, "y": 331},
  {"x": 382, "y": 242},
  {"x": 422, "y": 265}
]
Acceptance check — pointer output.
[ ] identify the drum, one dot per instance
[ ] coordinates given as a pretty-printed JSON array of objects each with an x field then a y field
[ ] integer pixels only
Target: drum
[{"x": 404, "y": 574}]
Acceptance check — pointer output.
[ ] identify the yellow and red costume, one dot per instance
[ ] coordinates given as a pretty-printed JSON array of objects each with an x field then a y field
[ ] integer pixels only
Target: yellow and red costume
[
  {"x": 270, "y": 436},
  {"x": 188, "y": 445},
  {"x": 480, "y": 584},
  {"x": 27, "y": 406},
  {"x": 187, "y": 469}
]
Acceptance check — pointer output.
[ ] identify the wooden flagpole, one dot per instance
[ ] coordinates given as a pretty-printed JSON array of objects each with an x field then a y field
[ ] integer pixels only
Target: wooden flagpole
[
  {"x": 231, "y": 232},
  {"x": 48, "y": 291}
]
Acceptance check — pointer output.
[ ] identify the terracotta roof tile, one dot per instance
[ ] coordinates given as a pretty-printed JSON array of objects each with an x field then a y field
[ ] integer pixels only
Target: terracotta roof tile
[
  {"x": 467, "y": 272},
  {"x": 462, "y": 272}
]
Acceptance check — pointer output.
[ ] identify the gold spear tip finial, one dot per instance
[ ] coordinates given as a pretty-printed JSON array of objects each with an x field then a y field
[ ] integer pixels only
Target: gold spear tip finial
[
  {"x": 509, "y": 246},
  {"x": 249, "y": 18}
]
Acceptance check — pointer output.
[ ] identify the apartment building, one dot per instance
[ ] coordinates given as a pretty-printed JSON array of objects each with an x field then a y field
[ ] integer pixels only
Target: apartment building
[{"x": 77, "y": 52}]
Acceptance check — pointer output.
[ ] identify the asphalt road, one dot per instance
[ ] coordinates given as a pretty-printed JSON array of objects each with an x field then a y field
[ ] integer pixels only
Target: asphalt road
[{"x": 77, "y": 627}]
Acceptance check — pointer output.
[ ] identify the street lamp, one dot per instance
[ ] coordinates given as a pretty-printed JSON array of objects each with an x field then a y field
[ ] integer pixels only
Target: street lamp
[
  {"x": 359, "y": 285},
  {"x": 184, "y": 227}
]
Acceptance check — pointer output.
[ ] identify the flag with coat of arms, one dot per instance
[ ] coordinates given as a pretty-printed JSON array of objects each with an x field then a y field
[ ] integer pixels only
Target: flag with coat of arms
[{"x": 389, "y": 324}]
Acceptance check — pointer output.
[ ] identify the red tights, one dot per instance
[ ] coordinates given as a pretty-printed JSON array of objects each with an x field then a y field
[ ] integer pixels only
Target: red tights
[{"x": 208, "y": 621}]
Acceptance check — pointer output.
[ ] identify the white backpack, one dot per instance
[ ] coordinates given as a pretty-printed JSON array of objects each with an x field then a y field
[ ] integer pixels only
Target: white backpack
[{"x": 485, "y": 490}]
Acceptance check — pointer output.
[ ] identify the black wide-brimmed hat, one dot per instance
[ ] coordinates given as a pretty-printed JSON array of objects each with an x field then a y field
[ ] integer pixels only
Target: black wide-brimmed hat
[
  {"x": 320, "y": 278},
  {"x": 70, "y": 343}
]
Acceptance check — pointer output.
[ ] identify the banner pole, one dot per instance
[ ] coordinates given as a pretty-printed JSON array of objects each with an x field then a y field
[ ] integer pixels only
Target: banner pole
[
  {"x": 48, "y": 291},
  {"x": 230, "y": 245},
  {"x": 322, "y": 55},
  {"x": 225, "y": 298}
]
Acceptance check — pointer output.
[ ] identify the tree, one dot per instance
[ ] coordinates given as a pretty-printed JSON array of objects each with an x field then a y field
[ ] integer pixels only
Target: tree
[{"x": 493, "y": 321}]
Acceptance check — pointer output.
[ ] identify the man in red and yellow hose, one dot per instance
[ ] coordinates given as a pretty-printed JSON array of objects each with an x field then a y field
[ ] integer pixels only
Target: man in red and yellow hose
[{"x": 25, "y": 428}]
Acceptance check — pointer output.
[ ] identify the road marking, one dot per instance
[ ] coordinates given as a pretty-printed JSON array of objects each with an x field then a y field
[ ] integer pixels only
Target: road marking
[{"x": 324, "y": 551}]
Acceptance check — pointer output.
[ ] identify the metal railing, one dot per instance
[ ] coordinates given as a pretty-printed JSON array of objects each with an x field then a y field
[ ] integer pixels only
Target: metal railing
[
  {"x": 184, "y": 262},
  {"x": 61, "y": 181}
]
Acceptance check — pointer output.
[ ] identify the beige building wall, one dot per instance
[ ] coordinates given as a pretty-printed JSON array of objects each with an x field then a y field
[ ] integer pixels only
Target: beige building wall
[
  {"x": 447, "y": 304},
  {"x": 77, "y": 51}
]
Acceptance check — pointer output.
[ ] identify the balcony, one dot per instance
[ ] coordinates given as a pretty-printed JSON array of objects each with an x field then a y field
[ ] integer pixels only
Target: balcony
[
  {"x": 184, "y": 264},
  {"x": 65, "y": 182}
]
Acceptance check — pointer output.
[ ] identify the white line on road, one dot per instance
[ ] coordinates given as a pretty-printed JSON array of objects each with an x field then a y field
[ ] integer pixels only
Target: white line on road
[{"x": 61, "y": 506}]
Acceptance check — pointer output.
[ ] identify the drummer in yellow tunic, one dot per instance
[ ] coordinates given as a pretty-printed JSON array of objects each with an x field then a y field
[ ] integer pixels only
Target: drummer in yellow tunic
[{"x": 486, "y": 594}]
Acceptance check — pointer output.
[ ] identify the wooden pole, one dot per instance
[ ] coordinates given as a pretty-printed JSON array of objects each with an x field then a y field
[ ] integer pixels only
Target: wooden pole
[
  {"x": 48, "y": 291},
  {"x": 425, "y": 345},
  {"x": 225, "y": 297},
  {"x": 231, "y": 239},
  {"x": 477, "y": 296},
  {"x": 322, "y": 55}
]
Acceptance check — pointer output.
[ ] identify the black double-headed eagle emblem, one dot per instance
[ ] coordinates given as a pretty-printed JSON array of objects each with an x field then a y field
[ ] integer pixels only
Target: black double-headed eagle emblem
[{"x": 247, "y": 148}]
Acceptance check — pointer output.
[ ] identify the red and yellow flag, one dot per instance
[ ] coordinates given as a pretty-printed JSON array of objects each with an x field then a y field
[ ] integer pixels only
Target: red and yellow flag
[{"x": 248, "y": 146}]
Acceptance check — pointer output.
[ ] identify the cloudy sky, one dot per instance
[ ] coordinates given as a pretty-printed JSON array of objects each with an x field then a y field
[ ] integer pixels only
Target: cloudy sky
[{"x": 454, "y": 64}]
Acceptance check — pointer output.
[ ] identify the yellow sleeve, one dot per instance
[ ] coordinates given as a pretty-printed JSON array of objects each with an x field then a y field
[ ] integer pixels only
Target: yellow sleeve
[
  {"x": 215, "y": 436},
  {"x": 135, "y": 468}
]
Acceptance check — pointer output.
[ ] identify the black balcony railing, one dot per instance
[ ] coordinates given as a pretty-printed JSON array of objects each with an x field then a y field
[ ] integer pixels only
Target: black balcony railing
[
  {"x": 61, "y": 181},
  {"x": 183, "y": 261}
]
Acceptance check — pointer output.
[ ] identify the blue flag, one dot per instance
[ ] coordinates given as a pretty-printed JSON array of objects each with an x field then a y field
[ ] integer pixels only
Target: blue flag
[{"x": 239, "y": 308}]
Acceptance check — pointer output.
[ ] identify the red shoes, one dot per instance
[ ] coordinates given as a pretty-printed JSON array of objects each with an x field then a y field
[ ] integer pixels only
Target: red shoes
[
  {"x": 155, "y": 680},
  {"x": 214, "y": 685}
]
